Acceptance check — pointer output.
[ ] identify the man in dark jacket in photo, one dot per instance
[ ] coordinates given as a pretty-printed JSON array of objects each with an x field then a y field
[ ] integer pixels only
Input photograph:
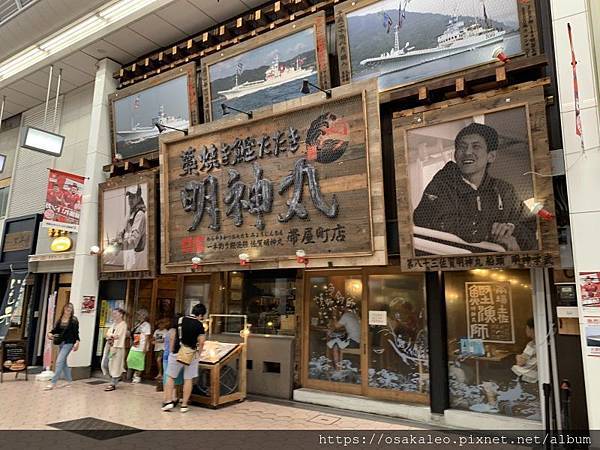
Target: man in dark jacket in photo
[{"x": 464, "y": 200}]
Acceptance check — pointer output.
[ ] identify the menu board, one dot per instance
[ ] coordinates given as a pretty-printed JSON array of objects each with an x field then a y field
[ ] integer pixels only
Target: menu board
[
  {"x": 490, "y": 312},
  {"x": 11, "y": 306},
  {"x": 14, "y": 356},
  {"x": 214, "y": 351}
]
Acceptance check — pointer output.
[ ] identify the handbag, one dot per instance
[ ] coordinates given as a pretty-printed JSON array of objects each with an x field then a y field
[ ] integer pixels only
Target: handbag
[
  {"x": 136, "y": 360},
  {"x": 58, "y": 339},
  {"x": 186, "y": 354}
]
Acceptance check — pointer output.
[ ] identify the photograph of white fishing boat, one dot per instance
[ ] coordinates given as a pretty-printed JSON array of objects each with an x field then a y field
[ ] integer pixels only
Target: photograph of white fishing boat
[
  {"x": 135, "y": 116},
  {"x": 267, "y": 74},
  {"x": 403, "y": 41}
]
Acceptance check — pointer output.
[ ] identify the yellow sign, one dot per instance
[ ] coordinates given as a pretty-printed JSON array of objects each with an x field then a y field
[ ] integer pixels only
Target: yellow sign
[{"x": 61, "y": 244}]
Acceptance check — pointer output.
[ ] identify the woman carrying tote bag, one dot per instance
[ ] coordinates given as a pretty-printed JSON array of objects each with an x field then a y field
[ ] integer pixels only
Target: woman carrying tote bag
[{"x": 113, "y": 360}]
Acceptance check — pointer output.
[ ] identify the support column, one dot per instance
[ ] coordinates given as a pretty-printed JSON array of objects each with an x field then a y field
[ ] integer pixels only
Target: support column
[
  {"x": 85, "y": 267},
  {"x": 581, "y": 161}
]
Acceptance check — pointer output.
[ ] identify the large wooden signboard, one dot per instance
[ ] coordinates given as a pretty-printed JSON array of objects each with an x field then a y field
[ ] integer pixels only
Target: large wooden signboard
[{"x": 304, "y": 176}]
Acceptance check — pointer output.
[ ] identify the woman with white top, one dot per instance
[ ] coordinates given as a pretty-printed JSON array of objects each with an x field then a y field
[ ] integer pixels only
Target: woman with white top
[{"x": 113, "y": 361}]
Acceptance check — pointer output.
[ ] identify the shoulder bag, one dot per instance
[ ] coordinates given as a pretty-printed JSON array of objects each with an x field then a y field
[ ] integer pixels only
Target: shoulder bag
[{"x": 186, "y": 354}]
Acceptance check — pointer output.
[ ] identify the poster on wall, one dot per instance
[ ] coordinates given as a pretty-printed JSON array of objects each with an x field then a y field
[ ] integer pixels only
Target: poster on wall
[
  {"x": 264, "y": 189},
  {"x": 88, "y": 305},
  {"x": 589, "y": 283},
  {"x": 490, "y": 312},
  {"x": 404, "y": 41},
  {"x": 168, "y": 99},
  {"x": 127, "y": 225},
  {"x": 471, "y": 199},
  {"x": 267, "y": 69},
  {"x": 592, "y": 335},
  {"x": 63, "y": 201}
]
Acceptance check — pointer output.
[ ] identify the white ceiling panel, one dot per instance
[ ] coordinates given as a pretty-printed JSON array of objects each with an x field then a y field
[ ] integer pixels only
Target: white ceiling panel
[
  {"x": 72, "y": 75},
  {"x": 82, "y": 62},
  {"x": 132, "y": 42},
  {"x": 220, "y": 11},
  {"x": 25, "y": 100},
  {"x": 186, "y": 17},
  {"x": 157, "y": 30},
  {"x": 29, "y": 88},
  {"x": 41, "y": 79},
  {"x": 40, "y": 20},
  {"x": 104, "y": 49}
]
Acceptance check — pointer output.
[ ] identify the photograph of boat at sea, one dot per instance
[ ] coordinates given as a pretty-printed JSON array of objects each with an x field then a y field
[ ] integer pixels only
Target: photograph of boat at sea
[
  {"x": 403, "y": 41},
  {"x": 265, "y": 75},
  {"x": 135, "y": 116}
]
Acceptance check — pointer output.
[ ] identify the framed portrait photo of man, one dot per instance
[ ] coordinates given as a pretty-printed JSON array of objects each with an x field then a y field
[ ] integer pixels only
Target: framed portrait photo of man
[
  {"x": 127, "y": 210},
  {"x": 470, "y": 183},
  {"x": 267, "y": 69},
  {"x": 405, "y": 41},
  {"x": 167, "y": 99}
]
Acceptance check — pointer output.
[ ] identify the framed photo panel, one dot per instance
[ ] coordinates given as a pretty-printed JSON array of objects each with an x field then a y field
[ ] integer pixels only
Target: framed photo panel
[
  {"x": 167, "y": 99},
  {"x": 405, "y": 41},
  {"x": 267, "y": 69},
  {"x": 468, "y": 183},
  {"x": 127, "y": 210}
]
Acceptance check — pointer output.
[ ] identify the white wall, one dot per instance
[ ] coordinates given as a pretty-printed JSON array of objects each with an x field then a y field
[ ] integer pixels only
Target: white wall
[{"x": 582, "y": 167}]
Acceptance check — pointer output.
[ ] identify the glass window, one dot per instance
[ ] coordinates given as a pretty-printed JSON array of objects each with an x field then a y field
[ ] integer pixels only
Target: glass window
[
  {"x": 492, "y": 353},
  {"x": 335, "y": 328},
  {"x": 398, "y": 347},
  {"x": 196, "y": 290},
  {"x": 3, "y": 200},
  {"x": 268, "y": 298}
]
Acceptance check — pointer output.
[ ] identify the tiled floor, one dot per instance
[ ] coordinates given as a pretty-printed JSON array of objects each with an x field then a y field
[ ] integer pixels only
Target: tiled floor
[{"x": 138, "y": 406}]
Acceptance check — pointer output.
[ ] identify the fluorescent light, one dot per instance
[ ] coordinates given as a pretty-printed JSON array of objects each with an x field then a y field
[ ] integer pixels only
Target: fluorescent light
[
  {"x": 72, "y": 34},
  {"x": 2, "y": 162},
  {"x": 42, "y": 141}
]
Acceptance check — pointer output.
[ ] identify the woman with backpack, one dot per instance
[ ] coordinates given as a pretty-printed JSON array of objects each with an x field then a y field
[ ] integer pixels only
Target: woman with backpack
[{"x": 65, "y": 334}]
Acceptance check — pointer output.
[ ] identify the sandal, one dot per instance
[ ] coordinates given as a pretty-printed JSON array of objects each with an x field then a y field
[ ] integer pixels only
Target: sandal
[
  {"x": 109, "y": 388},
  {"x": 184, "y": 408}
]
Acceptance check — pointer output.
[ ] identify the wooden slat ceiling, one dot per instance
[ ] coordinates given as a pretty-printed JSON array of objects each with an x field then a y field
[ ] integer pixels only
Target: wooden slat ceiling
[{"x": 154, "y": 31}]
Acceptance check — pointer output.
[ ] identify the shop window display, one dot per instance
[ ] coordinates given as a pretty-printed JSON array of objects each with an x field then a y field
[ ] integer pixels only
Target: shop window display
[
  {"x": 267, "y": 298},
  {"x": 492, "y": 351},
  {"x": 335, "y": 328},
  {"x": 398, "y": 350}
]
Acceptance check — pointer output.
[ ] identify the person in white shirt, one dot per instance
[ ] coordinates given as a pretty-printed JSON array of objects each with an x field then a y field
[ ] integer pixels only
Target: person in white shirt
[
  {"x": 350, "y": 322},
  {"x": 526, "y": 362},
  {"x": 159, "y": 343},
  {"x": 140, "y": 333}
]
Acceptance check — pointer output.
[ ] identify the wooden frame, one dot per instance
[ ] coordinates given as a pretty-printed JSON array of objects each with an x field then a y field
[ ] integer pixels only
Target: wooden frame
[
  {"x": 529, "y": 95},
  {"x": 148, "y": 178},
  {"x": 363, "y": 388},
  {"x": 215, "y": 400},
  {"x": 188, "y": 70},
  {"x": 528, "y": 30},
  {"x": 315, "y": 21},
  {"x": 378, "y": 253}
]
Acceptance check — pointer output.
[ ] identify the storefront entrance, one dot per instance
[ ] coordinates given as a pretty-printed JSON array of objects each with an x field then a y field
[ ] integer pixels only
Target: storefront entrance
[{"x": 365, "y": 332}]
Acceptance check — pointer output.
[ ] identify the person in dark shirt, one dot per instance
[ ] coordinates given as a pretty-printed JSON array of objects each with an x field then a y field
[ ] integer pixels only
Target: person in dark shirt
[
  {"x": 65, "y": 334},
  {"x": 190, "y": 332},
  {"x": 464, "y": 200}
]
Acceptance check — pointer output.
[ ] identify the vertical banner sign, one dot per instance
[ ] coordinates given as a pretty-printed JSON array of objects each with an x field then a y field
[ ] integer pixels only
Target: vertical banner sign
[
  {"x": 490, "y": 312},
  {"x": 12, "y": 301},
  {"x": 592, "y": 335},
  {"x": 49, "y": 326},
  {"x": 63, "y": 201}
]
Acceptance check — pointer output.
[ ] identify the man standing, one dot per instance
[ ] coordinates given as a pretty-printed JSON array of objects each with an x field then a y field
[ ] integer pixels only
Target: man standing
[
  {"x": 464, "y": 200},
  {"x": 189, "y": 334}
]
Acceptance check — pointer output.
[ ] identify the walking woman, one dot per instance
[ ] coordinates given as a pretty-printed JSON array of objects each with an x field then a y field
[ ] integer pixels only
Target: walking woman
[
  {"x": 65, "y": 334},
  {"x": 113, "y": 360}
]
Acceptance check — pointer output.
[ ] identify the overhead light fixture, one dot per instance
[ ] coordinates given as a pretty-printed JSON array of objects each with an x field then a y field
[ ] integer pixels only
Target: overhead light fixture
[
  {"x": 94, "y": 250},
  {"x": 42, "y": 141},
  {"x": 2, "y": 162},
  {"x": 70, "y": 35},
  {"x": 244, "y": 259},
  {"x": 162, "y": 128},
  {"x": 306, "y": 88},
  {"x": 225, "y": 109}
]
